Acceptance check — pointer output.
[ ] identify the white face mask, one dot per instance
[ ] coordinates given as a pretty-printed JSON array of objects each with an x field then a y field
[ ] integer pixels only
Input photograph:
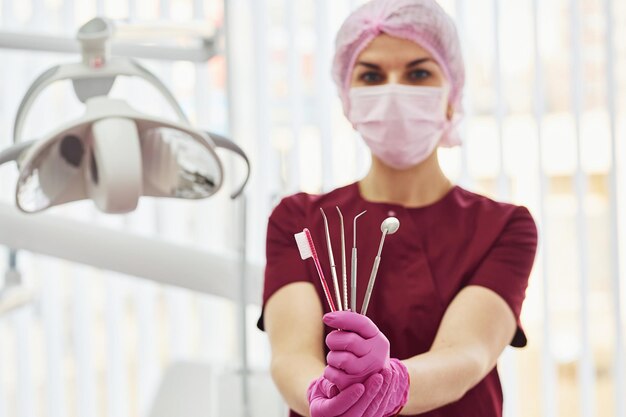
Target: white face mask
[{"x": 402, "y": 125}]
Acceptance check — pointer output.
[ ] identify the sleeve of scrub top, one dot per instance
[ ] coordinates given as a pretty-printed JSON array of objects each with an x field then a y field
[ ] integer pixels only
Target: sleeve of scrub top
[
  {"x": 283, "y": 262},
  {"x": 506, "y": 267}
]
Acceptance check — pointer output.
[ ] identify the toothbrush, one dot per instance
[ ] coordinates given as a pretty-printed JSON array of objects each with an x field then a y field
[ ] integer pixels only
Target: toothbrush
[
  {"x": 389, "y": 226},
  {"x": 344, "y": 276},
  {"x": 307, "y": 250},
  {"x": 353, "y": 268},
  {"x": 331, "y": 258}
]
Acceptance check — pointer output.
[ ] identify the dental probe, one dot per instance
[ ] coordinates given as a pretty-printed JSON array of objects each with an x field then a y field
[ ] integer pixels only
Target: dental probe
[
  {"x": 389, "y": 226},
  {"x": 344, "y": 275},
  {"x": 331, "y": 257},
  {"x": 353, "y": 269}
]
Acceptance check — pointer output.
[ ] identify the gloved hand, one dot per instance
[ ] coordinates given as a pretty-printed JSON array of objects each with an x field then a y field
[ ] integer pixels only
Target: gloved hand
[
  {"x": 360, "y": 350},
  {"x": 380, "y": 396},
  {"x": 357, "y": 400},
  {"x": 357, "y": 351}
]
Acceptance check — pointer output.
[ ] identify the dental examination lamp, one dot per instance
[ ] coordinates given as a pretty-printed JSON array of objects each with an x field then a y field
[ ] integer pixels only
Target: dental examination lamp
[{"x": 112, "y": 154}]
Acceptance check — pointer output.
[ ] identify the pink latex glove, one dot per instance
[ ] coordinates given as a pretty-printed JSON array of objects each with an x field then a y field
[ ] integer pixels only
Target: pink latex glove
[
  {"x": 358, "y": 400},
  {"x": 394, "y": 392},
  {"x": 357, "y": 351},
  {"x": 382, "y": 395},
  {"x": 360, "y": 350}
]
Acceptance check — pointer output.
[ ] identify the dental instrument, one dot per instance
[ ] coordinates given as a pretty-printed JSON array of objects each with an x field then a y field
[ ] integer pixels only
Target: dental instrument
[
  {"x": 389, "y": 226},
  {"x": 344, "y": 275},
  {"x": 331, "y": 257},
  {"x": 307, "y": 250},
  {"x": 353, "y": 266}
]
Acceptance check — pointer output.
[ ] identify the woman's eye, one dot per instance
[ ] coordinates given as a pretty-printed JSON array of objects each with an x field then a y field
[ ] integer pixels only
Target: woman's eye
[
  {"x": 419, "y": 74},
  {"x": 371, "y": 77}
]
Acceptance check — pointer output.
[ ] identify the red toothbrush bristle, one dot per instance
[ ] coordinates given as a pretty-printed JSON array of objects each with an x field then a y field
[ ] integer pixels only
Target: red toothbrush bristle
[
  {"x": 309, "y": 239},
  {"x": 329, "y": 297}
]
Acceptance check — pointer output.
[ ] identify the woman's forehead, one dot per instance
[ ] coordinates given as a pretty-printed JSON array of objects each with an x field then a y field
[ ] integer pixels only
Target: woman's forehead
[{"x": 389, "y": 50}]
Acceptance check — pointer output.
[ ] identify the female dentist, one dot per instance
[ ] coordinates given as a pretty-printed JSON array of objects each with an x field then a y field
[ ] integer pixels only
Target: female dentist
[{"x": 453, "y": 279}]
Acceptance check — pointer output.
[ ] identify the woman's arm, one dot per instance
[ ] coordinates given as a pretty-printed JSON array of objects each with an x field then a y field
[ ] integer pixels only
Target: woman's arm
[
  {"x": 293, "y": 321},
  {"x": 475, "y": 329}
]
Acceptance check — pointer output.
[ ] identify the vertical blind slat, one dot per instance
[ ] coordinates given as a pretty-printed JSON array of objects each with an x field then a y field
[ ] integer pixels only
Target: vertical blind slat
[
  {"x": 323, "y": 100},
  {"x": 22, "y": 322},
  {"x": 132, "y": 10},
  {"x": 53, "y": 330},
  {"x": 548, "y": 374},
  {"x": 85, "y": 382},
  {"x": 295, "y": 94},
  {"x": 461, "y": 22},
  {"x": 267, "y": 167},
  {"x": 170, "y": 226},
  {"x": 100, "y": 8},
  {"x": 147, "y": 355},
  {"x": 586, "y": 371},
  {"x": 117, "y": 366},
  {"x": 502, "y": 186},
  {"x": 3, "y": 367},
  {"x": 509, "y": 374},
  {"x": 619, "y": 365},
  {"x": 3, "y": 388}
]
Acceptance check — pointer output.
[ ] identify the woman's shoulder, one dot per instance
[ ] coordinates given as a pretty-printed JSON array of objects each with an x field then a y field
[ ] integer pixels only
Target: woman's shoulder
[
  {"x": 476, "y": 204},
  {"x": 485, "y": 221}
]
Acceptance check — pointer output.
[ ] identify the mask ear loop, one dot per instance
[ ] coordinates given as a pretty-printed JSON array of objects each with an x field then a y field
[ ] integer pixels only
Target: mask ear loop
[
  {"x": 114, "y": 166},
  {"x": 445, "y": 100},
  {"x": 450, "y": 137}
]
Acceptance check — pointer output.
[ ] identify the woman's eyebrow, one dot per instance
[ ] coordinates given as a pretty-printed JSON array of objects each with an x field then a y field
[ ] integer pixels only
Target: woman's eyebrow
[
  {"x": 409, "y": 65},
  {"x": 367, "y": 64},
  {"x": 417, "y": 62}
]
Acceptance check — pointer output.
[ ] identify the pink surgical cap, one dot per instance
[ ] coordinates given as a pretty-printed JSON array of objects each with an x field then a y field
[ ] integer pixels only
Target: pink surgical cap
[{"x": 421, "y": 21}]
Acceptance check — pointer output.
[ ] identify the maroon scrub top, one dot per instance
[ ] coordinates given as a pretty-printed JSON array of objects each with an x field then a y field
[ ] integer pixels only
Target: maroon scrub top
[{"x": 462, "y": 239}]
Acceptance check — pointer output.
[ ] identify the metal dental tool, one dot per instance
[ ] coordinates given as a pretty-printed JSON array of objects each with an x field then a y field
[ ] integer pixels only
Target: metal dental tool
[
  {"x": 353, "y": 268},
  {"x": 344, "y": 275},
  {"x": 331, "y": 257},
  {"x": 389, "y": 226}
]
